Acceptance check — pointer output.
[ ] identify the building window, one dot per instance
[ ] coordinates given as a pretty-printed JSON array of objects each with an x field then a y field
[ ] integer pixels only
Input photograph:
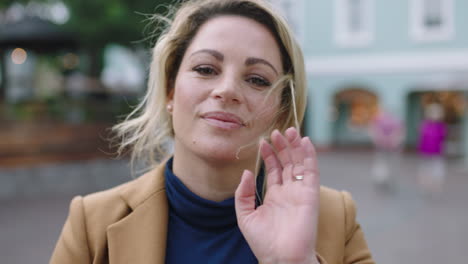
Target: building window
[
  {"x": 432, "y": 20},
  {"x": 354, "y": 23},
  {"x": 293, "y": 11},
  {"x": 355, "y": 16}
]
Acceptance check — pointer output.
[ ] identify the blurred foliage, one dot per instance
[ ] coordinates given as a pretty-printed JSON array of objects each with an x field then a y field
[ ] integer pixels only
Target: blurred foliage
[
  {"x": 117, "y": 21},
  {"x": 7, "y": 3},
  {"x": 98, "y": 23},
  {"x": 71, "y": 110},
  {"x": 102, "y": 22}
]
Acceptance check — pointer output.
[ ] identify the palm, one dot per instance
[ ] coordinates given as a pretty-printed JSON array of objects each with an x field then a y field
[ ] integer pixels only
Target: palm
[
  {"x": 283, "y": 228},
  {"x": 283, "y": 221}
]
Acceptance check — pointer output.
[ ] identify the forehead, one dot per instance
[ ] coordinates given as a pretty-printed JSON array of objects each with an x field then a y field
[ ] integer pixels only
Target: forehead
[{"x": 236, "y": 34}]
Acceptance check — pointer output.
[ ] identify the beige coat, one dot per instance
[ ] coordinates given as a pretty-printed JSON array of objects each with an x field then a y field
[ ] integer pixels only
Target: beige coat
[{"x": 128, "y": 224}]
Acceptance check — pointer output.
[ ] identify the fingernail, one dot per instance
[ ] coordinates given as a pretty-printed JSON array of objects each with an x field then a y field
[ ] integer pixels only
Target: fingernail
[
  {"x": 291, "y": 134},
  {"x": 308, "y": 144}
]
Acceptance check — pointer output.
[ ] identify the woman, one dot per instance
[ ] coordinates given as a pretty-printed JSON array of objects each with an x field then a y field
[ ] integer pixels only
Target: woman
[
  {"x": 433, "y": 132},
  {"x": 225, "y": 76}
]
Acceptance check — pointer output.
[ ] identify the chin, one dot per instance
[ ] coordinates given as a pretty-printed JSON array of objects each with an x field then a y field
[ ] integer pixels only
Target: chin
[{"x": 223, "y": 153}]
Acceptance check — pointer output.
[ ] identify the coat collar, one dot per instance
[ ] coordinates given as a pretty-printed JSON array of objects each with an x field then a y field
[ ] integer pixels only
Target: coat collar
[{"x": 140, "y": 237}]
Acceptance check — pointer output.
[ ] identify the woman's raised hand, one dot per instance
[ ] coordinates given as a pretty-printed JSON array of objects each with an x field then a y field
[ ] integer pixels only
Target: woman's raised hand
[{"x": 284, "y": 228}]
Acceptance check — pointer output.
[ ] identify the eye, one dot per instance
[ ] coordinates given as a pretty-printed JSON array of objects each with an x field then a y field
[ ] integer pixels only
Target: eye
[
  {"x": 205, "y": 70},
  {"x": 258, "y": 81}
]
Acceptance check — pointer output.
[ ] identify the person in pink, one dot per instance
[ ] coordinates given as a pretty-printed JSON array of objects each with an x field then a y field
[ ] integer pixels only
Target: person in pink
[
  {"x": 433, "y": 131},
  {"x": 432, "y": 137},
  {"x": 387, "y": 133}
]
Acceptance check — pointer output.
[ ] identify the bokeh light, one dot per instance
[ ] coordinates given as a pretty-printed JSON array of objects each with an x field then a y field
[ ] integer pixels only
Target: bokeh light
[
  {"x": 70, "y": 61},
  {"x": 19, "y": 56}
]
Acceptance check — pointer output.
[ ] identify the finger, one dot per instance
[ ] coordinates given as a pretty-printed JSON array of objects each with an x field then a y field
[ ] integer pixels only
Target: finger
[
  {"x": 283, "y": 150},
  {"x": 292, "y": 135},
  {"x": 297, "y": 150},
  {"x": 245, "y": 196},
  {"x": 287, "y": 173},
  {"x": 311, "y": 172},
  {"x": 272, "y": 164}
]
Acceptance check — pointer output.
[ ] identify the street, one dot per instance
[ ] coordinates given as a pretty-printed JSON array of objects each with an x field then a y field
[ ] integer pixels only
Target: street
[{"x": 403, "y": 223}]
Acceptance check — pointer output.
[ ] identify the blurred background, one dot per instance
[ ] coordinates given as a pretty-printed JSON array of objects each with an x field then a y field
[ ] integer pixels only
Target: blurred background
[{"x": 388, "y": 94}]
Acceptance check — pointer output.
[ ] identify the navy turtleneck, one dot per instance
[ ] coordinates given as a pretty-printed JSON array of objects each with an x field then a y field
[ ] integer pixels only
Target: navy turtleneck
[{"x": 200, "y": 230}]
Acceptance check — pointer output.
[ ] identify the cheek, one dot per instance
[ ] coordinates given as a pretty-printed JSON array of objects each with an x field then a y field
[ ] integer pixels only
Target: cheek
[
  {"x": 185, "y": 94},
  {"x": 266, "y": 109}
]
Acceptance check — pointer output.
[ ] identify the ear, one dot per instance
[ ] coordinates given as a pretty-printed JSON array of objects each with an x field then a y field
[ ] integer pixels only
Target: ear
[
  {"x": 170, "y": 90},
  {"x": 170, "y": 99},
  {"x": 169, "y": 107}
]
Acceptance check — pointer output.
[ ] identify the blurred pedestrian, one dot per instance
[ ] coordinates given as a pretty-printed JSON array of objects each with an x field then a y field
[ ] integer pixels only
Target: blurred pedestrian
[
  {"x": 433, "y": 131},
  {"x": 387, "y": 133},
  {"x": 225, "y": 76}
]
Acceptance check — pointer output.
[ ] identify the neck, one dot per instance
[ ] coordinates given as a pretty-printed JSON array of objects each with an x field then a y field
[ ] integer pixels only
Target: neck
[{"x": 211, "y": 180}]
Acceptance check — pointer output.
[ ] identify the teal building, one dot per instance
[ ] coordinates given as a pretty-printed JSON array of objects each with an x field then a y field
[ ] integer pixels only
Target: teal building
[{"x": 399, "y": 56}]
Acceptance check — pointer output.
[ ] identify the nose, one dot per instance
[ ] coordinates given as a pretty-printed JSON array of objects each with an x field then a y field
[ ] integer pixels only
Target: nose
[{"x": 228, "y": 90}]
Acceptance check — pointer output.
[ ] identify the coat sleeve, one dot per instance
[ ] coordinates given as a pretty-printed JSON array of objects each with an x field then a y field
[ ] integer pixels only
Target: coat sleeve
[
  {"x": 72, "y": 245},
  {"x": 356, "y": 249}
]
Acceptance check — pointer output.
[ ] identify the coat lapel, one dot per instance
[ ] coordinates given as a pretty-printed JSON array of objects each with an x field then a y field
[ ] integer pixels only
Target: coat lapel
[{"x": 140, "y": 237}]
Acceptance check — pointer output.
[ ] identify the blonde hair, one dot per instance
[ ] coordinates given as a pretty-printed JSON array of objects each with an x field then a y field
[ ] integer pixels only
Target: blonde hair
[{"x": 147, "y": 130}]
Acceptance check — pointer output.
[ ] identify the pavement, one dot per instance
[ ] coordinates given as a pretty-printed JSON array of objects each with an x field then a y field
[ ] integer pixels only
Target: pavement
[{"x": 403, "y": 221}]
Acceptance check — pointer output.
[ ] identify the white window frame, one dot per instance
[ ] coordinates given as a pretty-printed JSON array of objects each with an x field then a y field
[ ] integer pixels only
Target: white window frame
[
  {"x": 295, "y": 17},
  {"x": 346, "y": 38},
  {"x": 418, "y": 30}
]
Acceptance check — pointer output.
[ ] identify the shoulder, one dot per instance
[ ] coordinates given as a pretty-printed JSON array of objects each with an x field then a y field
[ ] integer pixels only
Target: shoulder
[
  {"x": 115, "y": 202},
  {"x": 102, "y": 205},
  {"x": 101, "y": 209},
  {"x": 337, "y": 211},
  {"x": 84, "y": 234},
  {"x": 335, "y": 201},
  {"x": 340, "y": 239},
  {"x": 131, "y": 194},
  {"x": 92, "y": 214}
]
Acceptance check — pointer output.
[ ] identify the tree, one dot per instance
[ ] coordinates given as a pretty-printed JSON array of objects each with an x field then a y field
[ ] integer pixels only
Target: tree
[{"x": 98, "y": 23}]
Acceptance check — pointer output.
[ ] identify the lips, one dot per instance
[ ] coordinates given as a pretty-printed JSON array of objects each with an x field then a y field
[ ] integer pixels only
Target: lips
[{"x": 223, "y": 120}]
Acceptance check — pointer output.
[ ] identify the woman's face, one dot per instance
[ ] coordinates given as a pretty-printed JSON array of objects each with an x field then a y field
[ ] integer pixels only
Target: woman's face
[{"x": 223, "y": 98}]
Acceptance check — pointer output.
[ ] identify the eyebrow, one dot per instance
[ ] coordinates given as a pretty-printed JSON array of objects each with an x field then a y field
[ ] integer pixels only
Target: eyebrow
[
  {"x": 213, "y": 53},
  {"x": 252, "y": 61}
]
